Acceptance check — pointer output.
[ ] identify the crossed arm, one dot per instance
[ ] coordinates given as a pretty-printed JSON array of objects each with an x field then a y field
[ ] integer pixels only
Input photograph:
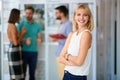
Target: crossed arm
[
  {"x": 63, "y": 53},
  {"x": 85, "y": 44},
  {"x": 21, "y": 34},
  {"x": 15, "y": 35}
]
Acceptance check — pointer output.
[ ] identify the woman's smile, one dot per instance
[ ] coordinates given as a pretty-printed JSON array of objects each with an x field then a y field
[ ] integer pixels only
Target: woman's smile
[{"x": 81, "y": 18}]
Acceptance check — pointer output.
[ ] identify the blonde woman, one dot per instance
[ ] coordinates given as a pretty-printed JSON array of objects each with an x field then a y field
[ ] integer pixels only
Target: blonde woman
[{"x": 75, "y": 53}]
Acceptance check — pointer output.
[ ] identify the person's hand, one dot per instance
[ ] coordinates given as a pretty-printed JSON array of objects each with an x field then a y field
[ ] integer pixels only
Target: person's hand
[
  {"x": 61, "y": 59},
  {"x": 66, "y": 56},
  {"x": 39, "y": 41},
  {"x": 23, "y": 30},
  {"x": 28, "y": 41},
  {"x": 53, "y": 39}
]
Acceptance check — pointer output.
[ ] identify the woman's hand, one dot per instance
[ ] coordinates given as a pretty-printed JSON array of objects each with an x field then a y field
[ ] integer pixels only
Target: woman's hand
[
  {"x": 21, "y": 34},
  {"x": 62, "y": 59},
  {"x": 23, "y": 30}
]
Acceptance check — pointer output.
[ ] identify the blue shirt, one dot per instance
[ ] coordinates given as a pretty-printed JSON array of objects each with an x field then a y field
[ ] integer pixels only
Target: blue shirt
[
  {"x": 32, "y": 30},
  {"x": 65, "y": 29}
]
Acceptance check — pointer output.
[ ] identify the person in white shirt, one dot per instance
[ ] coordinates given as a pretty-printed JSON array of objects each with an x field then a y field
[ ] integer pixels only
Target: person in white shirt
[{"x": 76, "y": 51}]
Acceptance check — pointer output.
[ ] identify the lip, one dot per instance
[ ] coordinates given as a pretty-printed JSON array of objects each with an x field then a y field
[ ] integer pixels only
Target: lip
[{"x": 81, "y": 21}]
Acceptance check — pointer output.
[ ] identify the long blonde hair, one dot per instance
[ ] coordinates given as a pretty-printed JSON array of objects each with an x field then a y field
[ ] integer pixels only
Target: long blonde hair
[{"x": 90, "y": 23}]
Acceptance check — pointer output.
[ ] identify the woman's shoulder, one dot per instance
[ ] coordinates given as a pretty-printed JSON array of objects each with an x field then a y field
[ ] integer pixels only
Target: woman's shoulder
[
  {"x": 86, "y": 34},
  {"x": 87, "y": 31},
  {"x": 11, "y": 27},
  {"x": 71, "y": 34}
]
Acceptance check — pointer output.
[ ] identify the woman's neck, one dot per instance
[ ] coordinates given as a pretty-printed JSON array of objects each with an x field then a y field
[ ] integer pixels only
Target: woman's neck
[
  {"x": 12, "y": 24},
  {"x": 82, "y": 28}
]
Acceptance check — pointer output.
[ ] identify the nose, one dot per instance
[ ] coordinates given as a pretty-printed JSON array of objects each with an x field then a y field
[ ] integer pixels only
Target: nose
[{"x": 81, "y": 17}]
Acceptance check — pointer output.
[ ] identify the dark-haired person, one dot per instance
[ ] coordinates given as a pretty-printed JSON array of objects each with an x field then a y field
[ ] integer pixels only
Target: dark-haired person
[
  {"x": 14, "y": 51},
  {"x": 65, "y": 28},
  {"x": 31, "y": 38}
]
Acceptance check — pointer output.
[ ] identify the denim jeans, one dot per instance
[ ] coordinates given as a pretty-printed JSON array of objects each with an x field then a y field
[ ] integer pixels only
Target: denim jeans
[
  {"x": 30, "y": 60},
  {"x": 69, "y": 76}
]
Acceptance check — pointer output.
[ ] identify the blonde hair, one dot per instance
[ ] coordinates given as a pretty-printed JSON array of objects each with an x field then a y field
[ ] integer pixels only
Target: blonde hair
[{"x": 90, "y": 23}]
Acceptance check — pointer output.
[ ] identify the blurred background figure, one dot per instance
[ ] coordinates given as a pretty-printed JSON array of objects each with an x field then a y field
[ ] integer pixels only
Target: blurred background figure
[
  {"x": 31, "y": 39},
  {"x": 14, "y": 52},
  {"x": 65, "y": 27}
]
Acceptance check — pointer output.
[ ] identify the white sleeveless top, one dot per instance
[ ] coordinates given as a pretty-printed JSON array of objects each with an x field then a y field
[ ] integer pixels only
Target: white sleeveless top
[{"x": 73, "y": 49}]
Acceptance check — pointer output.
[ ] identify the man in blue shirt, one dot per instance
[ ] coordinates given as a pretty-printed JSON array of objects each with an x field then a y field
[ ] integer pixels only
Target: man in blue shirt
[
  {"x": 31, "y": 38},
  {"x": 65, "y": 28}
]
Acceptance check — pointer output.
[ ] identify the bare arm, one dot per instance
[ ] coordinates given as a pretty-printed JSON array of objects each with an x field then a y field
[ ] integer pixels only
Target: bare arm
[
  {"x": 62, "y": 58},
  {"x": 85, "y": 44},
  {"x": 21, "y": 34},
  {"x": 64, "y": 50},
  {"x": 14, "y": 36}
]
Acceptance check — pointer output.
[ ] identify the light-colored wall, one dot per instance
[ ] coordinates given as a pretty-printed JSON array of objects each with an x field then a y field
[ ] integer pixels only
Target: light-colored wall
[
  {"x": 118, "y": 40},
  {"x": 0, "y": 54},
  {"x": 105, "y": 39},
  {"x": 108, "y": 11}
]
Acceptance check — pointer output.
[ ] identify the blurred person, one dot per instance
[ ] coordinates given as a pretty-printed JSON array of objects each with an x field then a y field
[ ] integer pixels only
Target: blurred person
[
  {"x": 64, "y": 29},
  {"x": 31, "y": 38},
  {"x": 14, "y": 51},
  {"x": 75, "y": 54}
]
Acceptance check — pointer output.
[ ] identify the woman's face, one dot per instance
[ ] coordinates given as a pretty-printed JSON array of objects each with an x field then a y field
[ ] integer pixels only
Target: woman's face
[{"x": 81, "y": 18}]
